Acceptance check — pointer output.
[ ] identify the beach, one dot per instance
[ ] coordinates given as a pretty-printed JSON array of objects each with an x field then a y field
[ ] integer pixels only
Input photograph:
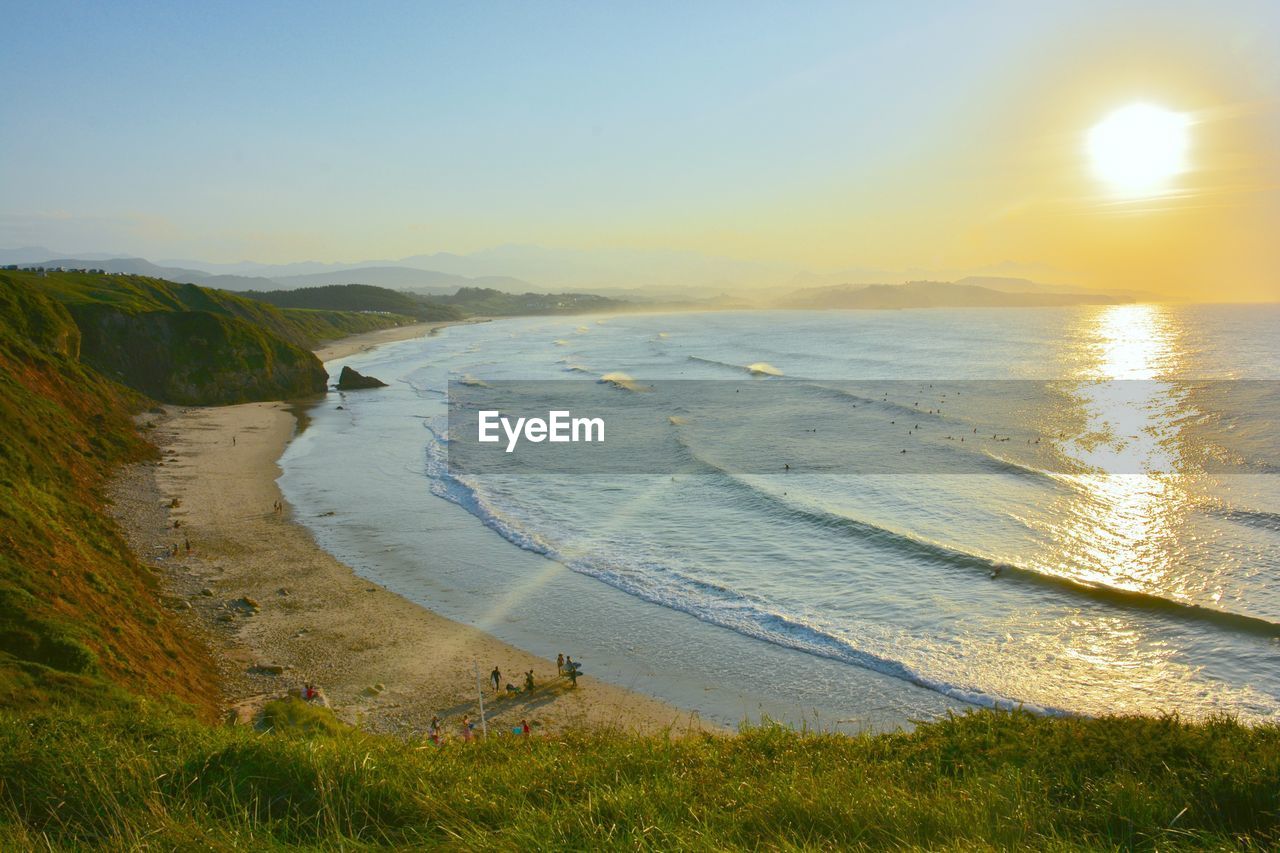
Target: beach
[
  {"x": 738, "y": 595},
  {"x": 353, "y": 344},
  {"x": 279, "y": 612}
]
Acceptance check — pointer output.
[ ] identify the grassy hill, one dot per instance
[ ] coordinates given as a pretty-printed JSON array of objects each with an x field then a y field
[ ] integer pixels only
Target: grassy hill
[
  {"x": 360, "y": 297},
  {"x": 466, "y": 302},
  {"x": 80, "y": 618},
  {"x": 487, "y": 302},
  {"x": 107, "y": 739},
  {"x": 187, "y": 344},
  {"x": 982, "y": 782}
]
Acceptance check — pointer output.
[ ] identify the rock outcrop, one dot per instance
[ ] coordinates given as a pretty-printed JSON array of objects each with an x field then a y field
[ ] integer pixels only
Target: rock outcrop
[{"x": 353, "y": 380}]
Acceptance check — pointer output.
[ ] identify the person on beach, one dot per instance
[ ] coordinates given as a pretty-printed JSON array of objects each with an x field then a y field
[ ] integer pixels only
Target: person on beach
[
  {"x": 188, "y": 543},
  {"x": 524, "y": 727},
  {"x": 571, "y": 670},
  {"x": 466, "y": 728},
  {"x": 495, "y": 678},
  {"x": 560, "y": 664},
  {"x": 528, "y": 681},
  {"x": 433, "y": 731}
]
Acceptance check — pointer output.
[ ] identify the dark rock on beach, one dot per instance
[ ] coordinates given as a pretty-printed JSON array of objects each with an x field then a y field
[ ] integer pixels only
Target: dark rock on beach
[{"x": 350, "y": 380}]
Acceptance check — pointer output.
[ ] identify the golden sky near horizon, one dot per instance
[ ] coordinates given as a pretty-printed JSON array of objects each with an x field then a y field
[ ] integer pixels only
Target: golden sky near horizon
[
  {"x": 1029, "y": 190},
  {"x": 889, "y": 142}
]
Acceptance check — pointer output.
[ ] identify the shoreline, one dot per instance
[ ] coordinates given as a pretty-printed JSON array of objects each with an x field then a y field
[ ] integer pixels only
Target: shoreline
[
  {"x": 365, "y": 341},
  {"x": 278, "y": 611}
]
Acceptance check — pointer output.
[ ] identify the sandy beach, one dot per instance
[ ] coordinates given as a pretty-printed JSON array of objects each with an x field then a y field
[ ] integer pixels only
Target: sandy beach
[
  {"x": 361, "y": 343},
  {"x": 280, "y": 612}
]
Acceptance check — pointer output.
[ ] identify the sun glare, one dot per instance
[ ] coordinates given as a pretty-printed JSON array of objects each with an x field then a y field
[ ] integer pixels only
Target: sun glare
[{"x": 1137, "y": 149}]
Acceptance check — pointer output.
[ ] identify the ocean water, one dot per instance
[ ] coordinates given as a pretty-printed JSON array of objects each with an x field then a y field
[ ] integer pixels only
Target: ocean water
[{"x": 1108, "y": 542}]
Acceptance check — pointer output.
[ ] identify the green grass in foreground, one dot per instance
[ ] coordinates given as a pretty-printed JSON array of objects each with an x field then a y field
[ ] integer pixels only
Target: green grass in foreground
[{"x": 985, "y": 780}]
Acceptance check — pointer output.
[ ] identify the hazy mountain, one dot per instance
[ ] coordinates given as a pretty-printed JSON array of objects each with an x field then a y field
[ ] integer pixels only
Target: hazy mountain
[
  {"x": 399, "y": 278},
  {"x": 686, "y": 274},
  {"x": 692, "y": 274},
  {"x": 37, "y": 254},
  {"x": 1024, "y": 285},
  {"x": 932, "y": 294},
  {"x": 405, "y": 278},
  {"x": 635, "y": 275},
  {"x": 256, "y": 268},
  {"x": 141, "y": 266},
  {"x": 1008, "y": 284},
  {"x": 131, "y": 266}
]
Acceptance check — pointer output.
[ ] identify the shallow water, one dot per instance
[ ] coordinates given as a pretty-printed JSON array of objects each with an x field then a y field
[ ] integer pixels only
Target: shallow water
[{"x": 1094, "y": 564}]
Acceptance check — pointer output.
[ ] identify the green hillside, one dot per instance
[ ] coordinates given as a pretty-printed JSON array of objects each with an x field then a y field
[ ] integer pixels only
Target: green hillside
[
  {"x": 80, "y": 618},
  {"x": 181, "y": 343},
  {"x": 986, "y": 781},
  {"x": 136, "y": 295},
  {"x": 466, "y": 302},
  {"x": 360, "y": 297},
  {"x": 487, "y": 302}
]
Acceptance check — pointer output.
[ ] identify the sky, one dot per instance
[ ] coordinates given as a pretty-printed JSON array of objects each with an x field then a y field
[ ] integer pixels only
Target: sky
[{"x": 814, "y": 136}]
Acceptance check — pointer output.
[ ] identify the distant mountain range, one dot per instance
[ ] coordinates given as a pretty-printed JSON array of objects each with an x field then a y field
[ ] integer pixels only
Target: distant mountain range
[
  {"x": 646, "y": 275},
  {"x": 396, "y": 277},
  {"x": 995, "y": 293},
  {"x": 405, "y": 278},
  {"x": 410, "y": 274}
]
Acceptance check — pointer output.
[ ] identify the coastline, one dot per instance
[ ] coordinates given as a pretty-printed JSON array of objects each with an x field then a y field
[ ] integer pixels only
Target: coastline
[
  {"x": 366, "y": 341},
  {"x": 279, "y": 612}
]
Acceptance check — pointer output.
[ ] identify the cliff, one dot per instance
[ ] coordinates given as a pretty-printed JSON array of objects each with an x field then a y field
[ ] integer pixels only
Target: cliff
[{"x": 191, "y": 345}]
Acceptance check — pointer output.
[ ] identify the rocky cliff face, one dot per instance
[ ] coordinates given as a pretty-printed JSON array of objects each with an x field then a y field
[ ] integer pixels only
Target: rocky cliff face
[
  {"x": 195, "y": 357},
  {"x": 177, "y": 342}
]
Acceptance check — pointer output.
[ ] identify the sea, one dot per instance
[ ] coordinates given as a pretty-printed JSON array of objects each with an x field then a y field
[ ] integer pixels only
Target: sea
[{"x": 844, "y": 520}]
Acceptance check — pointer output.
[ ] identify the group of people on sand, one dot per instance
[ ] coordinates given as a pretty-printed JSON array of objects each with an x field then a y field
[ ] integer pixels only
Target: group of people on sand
[
  {"x": 467, "y": 730},
  {"x": 495, "y": 680},
  {"x": 566, "y": 666}
]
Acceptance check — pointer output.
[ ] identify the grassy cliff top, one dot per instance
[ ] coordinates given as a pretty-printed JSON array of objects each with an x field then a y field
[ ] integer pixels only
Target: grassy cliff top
[
  {"x": 360, "y": 297},
  {"x": 989, "y": 780},
  {"x": 133, "y": 294}
]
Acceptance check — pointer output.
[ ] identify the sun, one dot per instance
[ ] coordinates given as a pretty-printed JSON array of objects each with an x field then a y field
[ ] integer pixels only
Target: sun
[{"x": 1138, "y": 149}]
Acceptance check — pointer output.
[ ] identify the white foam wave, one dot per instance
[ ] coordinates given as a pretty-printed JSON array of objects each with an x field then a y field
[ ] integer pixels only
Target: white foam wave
[{"x": 718, "y": 605}]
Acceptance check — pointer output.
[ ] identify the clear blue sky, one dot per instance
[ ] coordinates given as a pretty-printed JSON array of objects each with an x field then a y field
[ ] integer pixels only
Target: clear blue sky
[{"x": 286, "y": 131}]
